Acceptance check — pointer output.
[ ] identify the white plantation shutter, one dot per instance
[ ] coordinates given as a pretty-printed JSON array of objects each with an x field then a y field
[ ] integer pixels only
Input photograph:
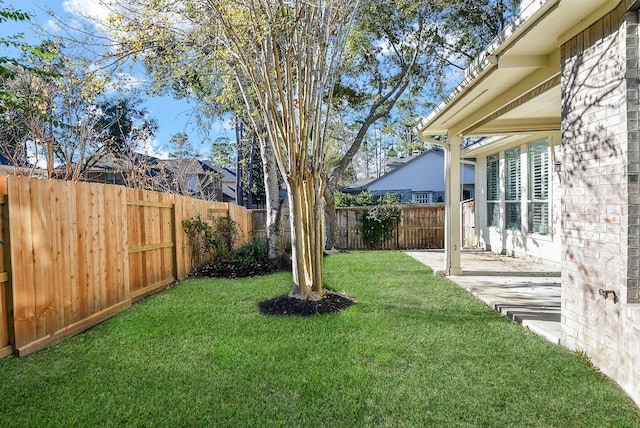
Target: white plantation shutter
[
  {"x": 493, "y": 178},
  {"x": 512, "y": 178},
  {"x": 493, "y": 190},
  {"x": 513, "y": 190},
  {"x": 539, "y": 187}
]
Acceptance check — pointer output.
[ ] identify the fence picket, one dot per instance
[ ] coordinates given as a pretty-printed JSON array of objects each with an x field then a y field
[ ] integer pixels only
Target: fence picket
[
  {"x": 5, "y": 292},
  {"x": 22, "y": 278},
  {"x": 38, "y": 250},
  {"x": 80, "y": 298}
]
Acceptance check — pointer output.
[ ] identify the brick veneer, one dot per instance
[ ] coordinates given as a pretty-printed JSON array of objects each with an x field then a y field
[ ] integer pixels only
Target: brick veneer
[{"x": 601, "y": 203}]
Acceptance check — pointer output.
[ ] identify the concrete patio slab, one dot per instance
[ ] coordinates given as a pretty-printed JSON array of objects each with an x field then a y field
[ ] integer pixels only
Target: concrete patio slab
[{"x": 526, "y": 292}]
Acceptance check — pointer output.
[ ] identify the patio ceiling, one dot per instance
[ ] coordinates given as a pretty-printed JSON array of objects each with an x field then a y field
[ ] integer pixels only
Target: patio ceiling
[{"x": 514, "y": 86}]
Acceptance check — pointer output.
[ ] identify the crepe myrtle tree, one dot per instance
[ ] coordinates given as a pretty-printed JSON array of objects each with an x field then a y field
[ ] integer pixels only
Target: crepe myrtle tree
[{"x": 285, "y": 54}]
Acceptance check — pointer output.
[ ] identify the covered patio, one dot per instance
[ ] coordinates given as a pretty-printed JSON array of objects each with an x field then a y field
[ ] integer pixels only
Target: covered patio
[
  {"x": 511, "y": 94},
  {"x": 526, "y": 293}
]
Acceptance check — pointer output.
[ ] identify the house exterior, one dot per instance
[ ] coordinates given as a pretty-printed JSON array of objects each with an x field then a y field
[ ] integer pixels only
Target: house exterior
[
  {"x": 191, "y": 177},
  {"x": 556, "y": 98},
  {"x": 227, "y": 179},
  {"x": 418, "y": 178}
]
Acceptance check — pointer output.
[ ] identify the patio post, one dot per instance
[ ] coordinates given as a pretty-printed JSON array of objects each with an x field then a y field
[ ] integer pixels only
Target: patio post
[{"x": 452, "y": 223}]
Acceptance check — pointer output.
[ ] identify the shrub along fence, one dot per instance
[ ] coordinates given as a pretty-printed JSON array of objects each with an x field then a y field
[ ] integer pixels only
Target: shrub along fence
[
  {"x": 77, "y": 253},
  {"x": 420, "y": 226}
]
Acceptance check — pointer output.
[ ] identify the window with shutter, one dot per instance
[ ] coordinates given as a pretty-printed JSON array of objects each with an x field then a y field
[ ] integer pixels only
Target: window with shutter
[
  {"x": 513, "y": 191},
  {"x": 538, "y": 155},
  {"x": 493, "y": 190}
]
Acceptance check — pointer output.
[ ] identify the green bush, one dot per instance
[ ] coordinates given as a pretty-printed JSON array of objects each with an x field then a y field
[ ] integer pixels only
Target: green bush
[
  {"x": 390, "y": 198},
  {"x": 206, "y": 240},
  {"x": 378, "y": 223},
  {"x": 202, "y": 237},
  {"x": 251, "y": 253},
  {"x": 343, "y": 199},
  {"x": 365, "y": 198},
  {"x": 226, "y": 229}
]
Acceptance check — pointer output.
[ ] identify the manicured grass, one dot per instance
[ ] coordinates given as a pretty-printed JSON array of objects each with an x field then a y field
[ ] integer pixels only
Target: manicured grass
[{"x": 414, "y": 351}]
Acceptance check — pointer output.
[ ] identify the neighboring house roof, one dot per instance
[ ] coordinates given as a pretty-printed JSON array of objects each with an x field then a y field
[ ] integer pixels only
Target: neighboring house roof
[
  {"x": 182, "y": 167},
  {"x": 423, "y": 172},
  {"x": 228, "y": 192},
  {"x": 227, "y": 174},
  {"x": 358, "y": 186},
  {"x": 228, "y": 178},
  {"x": 113, "y": 163},
  {"x": 514, "y": 85},
  {"x": 5, "y": 161},
  {"x": 396, "y": 162}
]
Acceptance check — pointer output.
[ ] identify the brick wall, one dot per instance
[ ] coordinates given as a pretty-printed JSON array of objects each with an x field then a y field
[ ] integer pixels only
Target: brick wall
[{"x": 600, "y": 203}]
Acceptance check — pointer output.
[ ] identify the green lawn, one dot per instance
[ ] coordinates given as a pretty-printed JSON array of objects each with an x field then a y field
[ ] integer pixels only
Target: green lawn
[{"x": 414, "y": 351}]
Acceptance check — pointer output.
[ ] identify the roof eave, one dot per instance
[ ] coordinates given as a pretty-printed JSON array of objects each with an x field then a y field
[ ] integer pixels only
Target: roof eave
[{"x": 484, "y": 64}]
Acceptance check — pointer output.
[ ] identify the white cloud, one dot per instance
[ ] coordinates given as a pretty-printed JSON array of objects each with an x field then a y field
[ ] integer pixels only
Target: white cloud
[
  {"x": 52, "y": 26},
  {"x": 126, "y": 82},
  {"x": 92, "y": 8},
  {"x": 152, "y": 147}
]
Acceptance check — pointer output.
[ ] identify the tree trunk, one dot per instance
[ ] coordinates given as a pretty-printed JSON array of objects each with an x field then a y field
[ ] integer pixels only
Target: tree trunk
[
  {"x": 275, "y": 215},
  {"x": 239, "y": 191},
  {"x": 330, "y": 219},
  {"x": 305, "y": 207},
  {"x": 250, "y": 174}
]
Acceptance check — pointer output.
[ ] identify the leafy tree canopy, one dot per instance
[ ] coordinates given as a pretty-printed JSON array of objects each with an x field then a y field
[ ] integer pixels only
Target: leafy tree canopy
[{"x": 10, "y": 67}]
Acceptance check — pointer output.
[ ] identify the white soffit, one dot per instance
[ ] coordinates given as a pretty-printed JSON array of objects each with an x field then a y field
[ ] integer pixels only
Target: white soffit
[{"x": 508, "y": 64}]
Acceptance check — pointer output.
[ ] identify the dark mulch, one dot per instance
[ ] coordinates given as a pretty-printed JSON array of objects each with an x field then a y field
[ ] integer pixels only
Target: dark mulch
[
  {"x": 286, "y": 305},
  {"x": 229, "y": 268}
]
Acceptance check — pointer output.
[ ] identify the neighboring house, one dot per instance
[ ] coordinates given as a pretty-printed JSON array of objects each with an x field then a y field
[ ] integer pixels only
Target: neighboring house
[
  {"x": 9, "y": 168},
  {"x": 558, "y": 175},
  {"x": 190, "y": 177},
  {"x": 108, "y": 170},
  {"x": 228, "y": 181},
  {"x": 418, "y": 178}
]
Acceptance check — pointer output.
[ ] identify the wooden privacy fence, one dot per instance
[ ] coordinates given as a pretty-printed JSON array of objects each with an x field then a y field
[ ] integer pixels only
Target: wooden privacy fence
[
  {"x": 77, "y": 253},
  {"x": 420, "y": 227}
]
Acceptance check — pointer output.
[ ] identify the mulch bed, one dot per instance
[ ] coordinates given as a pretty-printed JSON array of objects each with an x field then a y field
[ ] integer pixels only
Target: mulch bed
[
  {"x": 283, "y": 305},
  {"x": 286, "y": 305},
  {"x": 233, "y": 269}
]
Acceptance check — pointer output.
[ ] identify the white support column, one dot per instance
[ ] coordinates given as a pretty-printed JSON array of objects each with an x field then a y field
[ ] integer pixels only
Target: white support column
[{"x": 452, "y": 226}]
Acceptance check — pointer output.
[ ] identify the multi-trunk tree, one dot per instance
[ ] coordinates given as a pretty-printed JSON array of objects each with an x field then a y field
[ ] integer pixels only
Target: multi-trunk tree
[
  {"x": 286, "y": 56},
  {"x": 279, "y": 58}
]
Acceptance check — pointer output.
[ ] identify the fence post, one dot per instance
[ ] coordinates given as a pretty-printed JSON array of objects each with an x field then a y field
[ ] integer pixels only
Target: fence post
[
  {"x": 174, "y": 234},
  {"x": 249, "y": 225},
  {"x": 347, "y": 212},
  {"x": 6, "y": 276}
]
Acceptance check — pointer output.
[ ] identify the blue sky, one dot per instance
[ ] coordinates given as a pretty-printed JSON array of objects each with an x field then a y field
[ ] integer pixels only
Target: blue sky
[{"x": 173, "y": 115}]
